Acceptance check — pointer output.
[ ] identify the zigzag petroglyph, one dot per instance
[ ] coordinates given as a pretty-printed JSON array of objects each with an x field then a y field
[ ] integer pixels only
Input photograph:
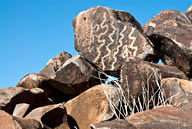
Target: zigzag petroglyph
[
  {"x": 112, "y": 41},
  {"x": 101, "y": 34},
  {"x": 133, "y": 41},
  {"x": 121, "y": 43}
]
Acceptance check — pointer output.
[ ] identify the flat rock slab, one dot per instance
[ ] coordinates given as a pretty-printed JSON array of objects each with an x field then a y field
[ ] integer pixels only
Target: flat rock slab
[
  {"x": 170, "y": 32},
  {"x": 189, "y": 13},
  {"x": 92, "y": 106},
  {"x": 55, "y": 63},
  {"x": 136, "y": 74},
  {"x": 113, "y": 124},
  {"x": 107, "y": 37},
  {"x": 10, "y": 97},
  {"x": 161, "y": 118},
  {"x": 178, "y": 92}
]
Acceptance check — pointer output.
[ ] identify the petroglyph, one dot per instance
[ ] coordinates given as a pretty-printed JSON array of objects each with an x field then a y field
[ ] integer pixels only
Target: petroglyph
[{"x": 107, "y": 37}]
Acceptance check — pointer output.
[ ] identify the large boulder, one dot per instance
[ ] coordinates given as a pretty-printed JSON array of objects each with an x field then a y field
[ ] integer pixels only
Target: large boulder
[
  {"x": 138, "y": 75},
  {"x": 51, "y": 116},
  {"x": 178, "y": 92},
  {"x": 113, "y": 124},
  {"x": 10, "y": 97},
  {"x": 161, "y": 118},
  {"x": 107, "y": 37},
  {"x": 20, "y": 110},
  {"x": 78, "y": 74},
  {"x": 55, "y": 90},
  {"x": 189, "y": 13},
  {"x": 93, "y": 106},
  {"x": 9, "y": 122},
  {"x": 55, "y": 63},
  {"x": 170, "y": 32}
]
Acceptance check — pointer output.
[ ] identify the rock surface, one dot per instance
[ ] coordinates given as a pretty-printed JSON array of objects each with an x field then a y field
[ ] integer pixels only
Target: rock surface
[
  {"x": 11, "y": 96},
  {"x": 51, "y": 116},
  {"x": 107, "y": 37},
  {"x": 9, "y": 122},
  {"x": 114, "y": 124},
  {"x": 92, "y": 106},
  {"x": 161, "y": 118},
  {"x": 170, "y": 32},
  {"x": 20, "y": 110},
  {"x": 189, "y": 13},
  {"x": 55, "y": 63},
  {"x": 136, "y": 74},
  {"x": 78, "y": 74},
  {"x": 178, "y": 92}
]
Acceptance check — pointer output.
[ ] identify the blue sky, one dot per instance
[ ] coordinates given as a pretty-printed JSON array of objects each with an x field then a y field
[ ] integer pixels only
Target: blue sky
[{"x": 33, "y": 31}]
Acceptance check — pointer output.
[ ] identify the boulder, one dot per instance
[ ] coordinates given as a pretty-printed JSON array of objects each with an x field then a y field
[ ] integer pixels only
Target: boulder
[
  {"x": 178, "y": 92},
  {"x": 107, "y": 37},
  {"x": 51, "y": 116},
  {"x": 10, "y": 97},
  {"x": 9, "y": 122},
  {"x": 27, "y": 123},
  {"x": 92, "y": 106},
  {"x": 55, "y": 63},
  {"x": 78, "y": 74},
  {"x": 137, "y": 75},
  {"x": 55, "y": 90},
  {"x": 161, "y": 118},
  {"x": 170, "y": 32},
  {"x": 189, "y": 13},
  {"x": 113, "y": 124}
]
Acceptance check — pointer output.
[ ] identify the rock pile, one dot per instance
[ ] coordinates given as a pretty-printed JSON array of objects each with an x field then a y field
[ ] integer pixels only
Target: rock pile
[{"x": 80, "y": 92}]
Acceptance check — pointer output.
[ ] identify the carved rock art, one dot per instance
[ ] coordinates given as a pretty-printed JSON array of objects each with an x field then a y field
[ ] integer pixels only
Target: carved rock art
[{"x": 107, "y": 37}]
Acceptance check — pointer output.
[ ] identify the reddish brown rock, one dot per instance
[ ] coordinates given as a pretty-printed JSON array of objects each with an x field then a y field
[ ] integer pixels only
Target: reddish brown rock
[
  {"x": 27, "y": 123},
  {"x": 51, "y": 116},
  {"x": 170, "y": 32},
  {"x": 9, "y": 97},
  {"x": 189, "y": 13},
  {"x": 113, "y": 124},
  {"x": 6, "y": 121},
  {"x": 161, "y": 118},
  {"x": 92, "y": 106},
  {"x": 178, "y": 92},
  {"x": 55, "y": 63},
  {"x": 107, "y": 37},
  {"x": 51, "y": 87},
  {"x": 136, "y": 74},
  {"x": 78, "y": 74},
  {"x": 9, "y": 122}
]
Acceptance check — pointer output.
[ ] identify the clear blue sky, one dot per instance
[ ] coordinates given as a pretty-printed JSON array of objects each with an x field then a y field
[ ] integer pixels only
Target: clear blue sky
[{"x": 33, "y": 31}]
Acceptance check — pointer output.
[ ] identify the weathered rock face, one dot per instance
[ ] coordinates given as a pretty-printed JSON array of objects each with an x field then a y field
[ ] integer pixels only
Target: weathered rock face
[
  {"x": 9, "y": 97},
  {"x": 92, "y": 106},
  {"x": 20, "y": 110},
  {"x": 55, "y": 90},
  {"x": 107, "y": 37},
  {"x": 51, "y": 116},
  {"x": 170, "y": 32},
  {"x": 32, "y": 80},
  {"x": 161, "y": 118},
  {"x": 189, "y": 13},
  {"x": 78, "y": 74},
  {"x": 136, "y": 73},
  {"x": 9, "y": 122},
  {"x": 114, "y": 124},
  {"x": 178, "y": 92},
  {"x": 55, "y": 63}
]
